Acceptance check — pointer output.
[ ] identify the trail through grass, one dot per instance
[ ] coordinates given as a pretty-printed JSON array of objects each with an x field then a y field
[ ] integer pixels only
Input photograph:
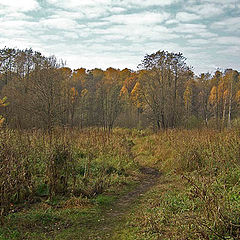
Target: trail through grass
[
  {"x": 111, "y": 216},
  {"x": 196, "y": 196}
]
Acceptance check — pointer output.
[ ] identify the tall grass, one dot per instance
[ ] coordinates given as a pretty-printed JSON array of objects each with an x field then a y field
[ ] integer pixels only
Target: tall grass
[
  {"x": 36, "y": 165},
  {"x": 209, "y": 164}
]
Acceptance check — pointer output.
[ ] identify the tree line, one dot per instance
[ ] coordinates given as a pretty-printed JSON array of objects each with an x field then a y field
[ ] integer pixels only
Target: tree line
[{"x": 40, "y": 92}]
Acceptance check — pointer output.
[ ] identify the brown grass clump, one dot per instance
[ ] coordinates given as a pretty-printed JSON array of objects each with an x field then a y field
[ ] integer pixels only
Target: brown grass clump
[{"x": 76, "y": 202}]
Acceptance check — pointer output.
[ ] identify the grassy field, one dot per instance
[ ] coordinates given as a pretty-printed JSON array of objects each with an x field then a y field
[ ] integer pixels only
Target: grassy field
[
  {"x": 90, "y": 184},
  {"x": 198, "y": 196}
]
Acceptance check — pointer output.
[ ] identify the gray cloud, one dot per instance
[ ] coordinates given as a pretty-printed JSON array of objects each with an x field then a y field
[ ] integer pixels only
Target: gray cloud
[
  {"x": 206, "y": 10},
  {"x": 198, "y": 41},
  {"x": 22, "y": 6},
  {"x": 117, "y": 33},
  {"x": 143, "y": 18},
  {"x": 227, "y": 25},
  {"x": 229, "y": 40},
  {"x": 186, "y": 17}
]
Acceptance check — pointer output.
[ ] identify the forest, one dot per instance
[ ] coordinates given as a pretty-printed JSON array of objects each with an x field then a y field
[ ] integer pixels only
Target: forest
[
  {"x": 118, "y": 154},
  {"x": 163, "y": 93}
]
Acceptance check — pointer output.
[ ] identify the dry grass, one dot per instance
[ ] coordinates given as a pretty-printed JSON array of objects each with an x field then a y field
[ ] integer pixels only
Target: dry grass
[
  {"x": 206, "y": 204},
  {"x": 37, "y": 165}
]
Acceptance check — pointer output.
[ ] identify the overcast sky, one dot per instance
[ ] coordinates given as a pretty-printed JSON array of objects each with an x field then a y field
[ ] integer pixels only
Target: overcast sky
[{"x": 118, "y": 33}]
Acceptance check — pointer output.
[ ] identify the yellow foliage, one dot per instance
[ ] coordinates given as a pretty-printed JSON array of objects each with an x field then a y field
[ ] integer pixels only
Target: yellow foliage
[
  {"x": 130, "y": 82},
  {"x": 225, "y": 94},
  {"x": 111, "y": 76},
  {"x": 221, "y": 90},
  {"x": 2, "y": 104},
  {"x": 187, "y": 96},
  {"x": 136, "y": 88},
  {"x": 136, "y": 95},
  {"x": 79, "y": 75},
  {"x": 67, "y": 72},
  {"x": 84, "y": 92},
  {"x": 73, "y": 94},
  {"x": 1, "y": 120},
  {"x": 123, "y": 91},
  {"x": 213, "y": 95},
  {"x": 237, "y": 97}
]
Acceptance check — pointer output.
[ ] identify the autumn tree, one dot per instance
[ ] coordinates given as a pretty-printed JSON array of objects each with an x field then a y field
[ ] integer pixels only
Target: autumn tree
[
  {"x": 222, "y": 95},
  {"x": 7, "y": 64},
  {"x": 232, "y": 79},
  {"x": 162, "y": 78},
  {"x": 45, "y": 92},
  {"x": 214, "y": 97},
  {"x": 188, "y": 95},
  {"x": 164, "y": 93},
  {"x": 202, "y": 101},
  {"x": 35, "y": 94},
  {"x": 109, "y": 97},
  {"x": 131, "y": 116},
  {"x": 16, "y": 67},
  {"x": 3, "y": 103}
]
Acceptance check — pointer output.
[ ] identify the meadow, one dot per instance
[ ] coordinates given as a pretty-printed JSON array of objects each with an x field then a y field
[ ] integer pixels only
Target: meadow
[{"x": 60, "y": 185}]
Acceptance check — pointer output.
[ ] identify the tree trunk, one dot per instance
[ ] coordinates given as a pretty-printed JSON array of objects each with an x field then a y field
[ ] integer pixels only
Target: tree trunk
[
  {"x": 224, "y": 112},
  {"x": 230, "y": 107}
]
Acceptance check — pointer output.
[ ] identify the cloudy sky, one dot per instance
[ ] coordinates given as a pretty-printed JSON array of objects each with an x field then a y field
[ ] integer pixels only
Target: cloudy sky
[{"x": 118, "y": 33}]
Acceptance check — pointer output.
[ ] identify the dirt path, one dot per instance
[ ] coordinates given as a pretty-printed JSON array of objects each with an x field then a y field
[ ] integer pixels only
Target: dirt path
[{"x": 114, "y": 215}]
